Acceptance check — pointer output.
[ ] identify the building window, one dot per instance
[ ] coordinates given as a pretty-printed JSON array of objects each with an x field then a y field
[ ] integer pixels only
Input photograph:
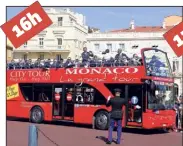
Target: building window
[
  {"x": 25, "y": 56},
  {"x": 60, "y": 21},
  {"x": 122, "y": 46},
  {"x": 109, "y": 46},
  {"x": 97, "y": 47},
  {"x": 25, "y": 45},
  {"x": 41, "y": 56},
  {"x": 135, "y": 46},
  {"x": 155, "y": 46},
  {"x": 59, "y": 40},
  {"x": 59, "y": 57},
  {"x": 41, "y": 42},
  {"x": 175, "y": 65}
]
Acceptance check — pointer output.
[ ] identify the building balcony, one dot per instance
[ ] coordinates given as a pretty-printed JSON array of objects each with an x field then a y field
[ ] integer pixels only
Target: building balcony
[
  {"x": 46, "y": 48},
  {"x": 69, "y": 24}
]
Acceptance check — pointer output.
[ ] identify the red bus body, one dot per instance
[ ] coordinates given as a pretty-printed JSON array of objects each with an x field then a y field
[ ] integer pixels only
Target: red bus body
[{"x": 18, "y": 106}]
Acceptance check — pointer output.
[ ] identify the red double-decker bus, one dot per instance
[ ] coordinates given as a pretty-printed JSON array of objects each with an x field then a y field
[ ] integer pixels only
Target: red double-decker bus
[{"x": 79, "y": 94}]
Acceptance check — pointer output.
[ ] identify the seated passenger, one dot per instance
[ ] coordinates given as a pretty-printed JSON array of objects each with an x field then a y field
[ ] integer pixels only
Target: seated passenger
[
  {"x": 38, "y": 64},
  {"x": 107, "y": 58},
  {"x": 43, "y": 97},
  {"x": 91, "y": 55},
  {"x": 54, "y": 64},
  {"x": 156, "y": 62},
  {"x": 47, "y": 63},
  {"x": 119, "y": 55},
  {"x": 60, "y": 63},
  {"x": 29, "y": 64},
  {"x": 20, "y": 64},
  {"x": 68, "y": 63},
  {"x": 135, "y": 61},
  {"x": 12, "y": 64},
  {"x": 125, "y": 61},
  {"x": 76, "y": 63},
  {"x": 121, "y": 58},
  {"x": 95, "y": 62}
]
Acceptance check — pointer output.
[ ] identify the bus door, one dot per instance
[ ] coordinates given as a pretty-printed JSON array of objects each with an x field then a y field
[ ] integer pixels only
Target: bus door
[
  {"x": 57, "y": 101},
  {"x": 135, "y": 105},
  {"x": 63, "y": 105},
  {"x": 68, "y": 102}
]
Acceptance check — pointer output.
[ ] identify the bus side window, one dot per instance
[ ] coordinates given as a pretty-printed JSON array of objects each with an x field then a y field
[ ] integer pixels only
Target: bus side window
[
  {"x": 87, "y": 94},
  {"x": 69, "y": 94},
  {"x": 84, "y": 95},
  {"x": 26, "y": 90},
  {"x": 42, "y": 93},
  {"x": 111, "y": 88}
]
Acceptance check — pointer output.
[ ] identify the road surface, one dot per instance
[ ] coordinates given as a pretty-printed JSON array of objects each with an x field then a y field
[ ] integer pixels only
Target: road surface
[{"x": 70, "y": 134}]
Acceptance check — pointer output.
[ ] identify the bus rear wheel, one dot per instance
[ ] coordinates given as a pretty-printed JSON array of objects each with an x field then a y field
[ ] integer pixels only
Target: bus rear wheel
[
  {"x": 36, "y": 115},
  {"x": 102, "y": 120}
]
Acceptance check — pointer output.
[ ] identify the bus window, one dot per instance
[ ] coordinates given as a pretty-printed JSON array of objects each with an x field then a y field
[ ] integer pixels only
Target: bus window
[
  {"x": 42, "y": 93},
  {"x": 26, "y": 90},
  {"x": 87, "y": 94},
  {"x": 69, "y": 93},
  {"x": 99, "y": 98},
  {"x": 111, "y": 88},
  {"x": 84, "y": 95}
]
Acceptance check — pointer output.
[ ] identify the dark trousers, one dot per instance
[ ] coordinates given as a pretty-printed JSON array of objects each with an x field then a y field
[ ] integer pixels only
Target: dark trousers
[{"x": 119, "y": 129}]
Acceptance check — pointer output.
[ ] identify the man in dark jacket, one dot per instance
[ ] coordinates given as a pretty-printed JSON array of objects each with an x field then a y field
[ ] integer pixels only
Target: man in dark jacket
[
  {"x": 116, "y": 115},
  {"x": 85, "y": 55}
]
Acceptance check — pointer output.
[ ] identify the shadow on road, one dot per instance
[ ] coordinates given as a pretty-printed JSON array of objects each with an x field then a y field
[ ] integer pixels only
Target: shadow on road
[{"x": 71, "y": 124}]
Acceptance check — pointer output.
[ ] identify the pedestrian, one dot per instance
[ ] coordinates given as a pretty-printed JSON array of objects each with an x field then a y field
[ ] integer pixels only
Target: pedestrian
[{"x": 116, "y": 115}]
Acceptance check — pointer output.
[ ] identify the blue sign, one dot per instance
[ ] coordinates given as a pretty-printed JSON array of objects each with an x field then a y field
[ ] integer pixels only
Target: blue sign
[{"x": 134, "y": 100}]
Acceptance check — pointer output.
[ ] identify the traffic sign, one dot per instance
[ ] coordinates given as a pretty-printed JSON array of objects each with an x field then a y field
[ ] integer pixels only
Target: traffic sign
[
  {"x": 26, "y": 24},
  {"x": 174, "y": 37},
  {"x": 134, "y": 100}
]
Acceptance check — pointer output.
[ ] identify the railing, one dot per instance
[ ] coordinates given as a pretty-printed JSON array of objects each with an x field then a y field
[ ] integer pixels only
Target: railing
[
  {"x": 37, "y": 47},
  {"x": 33, "y": 136},
  {"x": 126, "y": 35},
  {"x": 68, "y": 23}
]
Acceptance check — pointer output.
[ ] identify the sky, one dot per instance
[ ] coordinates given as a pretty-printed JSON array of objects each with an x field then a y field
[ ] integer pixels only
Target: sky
[{"x": 110, "y": 18}]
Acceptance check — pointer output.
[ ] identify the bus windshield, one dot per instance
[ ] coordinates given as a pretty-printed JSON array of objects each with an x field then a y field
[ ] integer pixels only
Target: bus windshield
[
  {"x": 156, "y": 63},
  {"x": 162, "y": 98}
]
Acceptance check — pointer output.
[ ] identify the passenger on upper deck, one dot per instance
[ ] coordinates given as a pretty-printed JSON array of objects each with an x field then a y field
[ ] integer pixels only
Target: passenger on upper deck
[
  {"x": 77, "y": 63},
  {"x": 120, "y": 55},
  {"x": 12, "y": 64},
  {"x": 156, "y": 62},
  {"x": 68, "y": 63},
  {"x": 107, "y": 58},
  {"x": 95, "y": 62},
  {"x": 47, "y": 63},
  {"x": 121, "y": 59},
  {"x": 136, "y": 60},
  {"x": 29, "y": 64},
  {"x": 57, "y": 63},
  {"x": 21, "y": 64},
  {"x": 38, "y": 64}
]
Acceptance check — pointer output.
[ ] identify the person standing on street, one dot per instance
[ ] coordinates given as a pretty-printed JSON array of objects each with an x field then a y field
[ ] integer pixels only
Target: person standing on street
[{"x": 116, "y": 115}]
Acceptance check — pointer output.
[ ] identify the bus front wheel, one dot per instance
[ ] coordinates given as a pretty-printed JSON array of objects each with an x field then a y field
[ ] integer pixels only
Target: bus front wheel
[
  {"x": 37, "y": 115},
  {"x": 102, "y": 120}
]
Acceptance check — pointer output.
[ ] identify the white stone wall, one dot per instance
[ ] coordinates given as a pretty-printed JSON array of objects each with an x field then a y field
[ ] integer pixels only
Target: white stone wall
[
  {"x": 129, "y": 39},
  {"x": 73, "y": 34}
]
